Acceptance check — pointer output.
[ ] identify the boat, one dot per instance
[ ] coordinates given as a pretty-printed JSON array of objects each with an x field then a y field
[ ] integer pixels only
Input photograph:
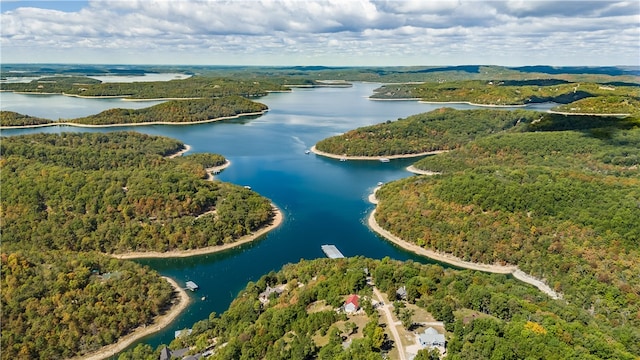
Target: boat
[
  {"x": 380, "y": 183},
  {"x": 385, "y": 160},
  {"x": 307, "y": 152},
  {"x": 247, "y": 187}
]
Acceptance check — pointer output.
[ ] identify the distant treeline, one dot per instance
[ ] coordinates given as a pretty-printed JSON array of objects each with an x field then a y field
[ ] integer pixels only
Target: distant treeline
[
  {"x": 192, "y": 87},
  {"x": 580, "y": 97}
]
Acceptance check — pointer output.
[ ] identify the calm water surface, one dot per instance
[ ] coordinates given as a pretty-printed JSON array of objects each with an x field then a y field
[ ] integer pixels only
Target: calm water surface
[{"x": 323, "y": 200}]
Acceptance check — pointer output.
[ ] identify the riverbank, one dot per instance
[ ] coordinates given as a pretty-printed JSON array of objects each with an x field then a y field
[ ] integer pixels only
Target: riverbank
[
  {"x": 401, "y": 156},
  {"x": 135, "y": 124},
  {"x": 160, "y": 323},
  {"x": 278, "y": 217},
  {"x": 456, "y": 261}
]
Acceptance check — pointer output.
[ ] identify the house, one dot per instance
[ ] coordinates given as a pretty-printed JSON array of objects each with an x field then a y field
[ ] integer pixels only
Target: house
[
  {"x": 401, "y": 293},
  {"x": 351, "y": 305},
  {"x": 264, "y": 296},
  {"x": 168, "y": 354},
  {"x": 431, "y": 338}
]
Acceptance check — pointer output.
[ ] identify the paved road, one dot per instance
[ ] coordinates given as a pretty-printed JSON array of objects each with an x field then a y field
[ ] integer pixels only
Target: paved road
[{"x": 392, "y": 326}]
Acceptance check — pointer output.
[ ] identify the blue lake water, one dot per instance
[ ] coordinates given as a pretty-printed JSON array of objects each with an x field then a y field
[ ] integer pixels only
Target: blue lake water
[{"x": 324, "y": 201}]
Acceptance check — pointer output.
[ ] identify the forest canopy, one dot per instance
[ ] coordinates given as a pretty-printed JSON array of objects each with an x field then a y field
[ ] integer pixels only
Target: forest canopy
[
  {"x": 558, "y": 198},
  {"x": 441, "y": 129},
  {"x": 116, "y": 192},
  {"x": 69, "y": 198},
  {"x": 10, "y": 118}
]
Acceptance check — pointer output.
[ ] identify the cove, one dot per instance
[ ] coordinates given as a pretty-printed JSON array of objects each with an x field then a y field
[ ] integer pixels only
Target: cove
[{"x": 324, "y": 201}]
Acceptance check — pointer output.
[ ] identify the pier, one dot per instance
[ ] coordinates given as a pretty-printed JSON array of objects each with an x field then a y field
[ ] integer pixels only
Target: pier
[
  {"x": 331, "y": 251},
  {"x": 192, "y": 286}
]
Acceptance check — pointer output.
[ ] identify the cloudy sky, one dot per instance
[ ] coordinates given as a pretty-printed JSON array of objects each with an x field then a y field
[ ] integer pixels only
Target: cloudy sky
[{"x": 322, "y": 32}]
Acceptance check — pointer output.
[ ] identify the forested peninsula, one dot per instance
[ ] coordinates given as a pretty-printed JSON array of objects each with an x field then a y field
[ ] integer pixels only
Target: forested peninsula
[
  {"x": 483, "y": 315},
  {"x": 555, "y": 195},
  {"x": 70, "y": 199},
  {"x": 613, "y": 98},
  {"x": 441, "y": 129},
  {"x": 188, "y": 111}
]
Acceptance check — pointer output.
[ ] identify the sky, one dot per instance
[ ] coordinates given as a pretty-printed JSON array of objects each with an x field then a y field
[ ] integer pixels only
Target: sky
[{"x": 322, "y": 32}]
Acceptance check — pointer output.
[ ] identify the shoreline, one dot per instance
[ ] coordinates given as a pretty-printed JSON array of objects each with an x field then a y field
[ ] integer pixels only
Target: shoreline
[
  {"x": 456, "y": 261},
  {"x": 417, "y": 171},
  {"x": 586, "y": 114},
  {"x": 159, "y": 323},
  {"x": 216, "y": 169},
  {"x": 186, "y": 149},
  {"x": 398, "y": 99},
  {"x": 134, "y": 124},
  {"x": 474, "y": 104},
  {"x": 278, "y": 218},
  {"x": 400, "y": 156}
]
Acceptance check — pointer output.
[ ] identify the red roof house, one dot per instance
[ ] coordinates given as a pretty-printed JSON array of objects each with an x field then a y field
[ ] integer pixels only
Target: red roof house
[{"x": 351, "y": 305}]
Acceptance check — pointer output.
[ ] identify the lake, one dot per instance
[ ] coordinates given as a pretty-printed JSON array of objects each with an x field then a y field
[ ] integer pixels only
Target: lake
[{"x": 324, "y": 201}]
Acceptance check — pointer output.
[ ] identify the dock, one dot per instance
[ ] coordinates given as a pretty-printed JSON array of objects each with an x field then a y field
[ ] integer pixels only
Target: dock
[
  {"x": 332, "y": 251},
  {"x": 192, "y": 286}
]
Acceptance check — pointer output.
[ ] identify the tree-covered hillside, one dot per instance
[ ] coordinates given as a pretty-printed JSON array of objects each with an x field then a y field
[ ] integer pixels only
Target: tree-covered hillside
[
  {"x": 59, "y": 304},
  {"x": 485, "y": 316},
  {"x": 10, "y": 118},
  {"x": 559, "y": 199},
  {"x": 176, "y": 111},
  {"x": 442, "y": 129},
  {"x": 116, "y": 193},
  {"x": 67, "y": 199}
]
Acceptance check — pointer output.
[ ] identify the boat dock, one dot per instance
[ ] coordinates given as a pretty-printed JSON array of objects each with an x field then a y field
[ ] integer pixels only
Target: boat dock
[
  {"x": 192, "y": 286},
  {"x": 331, "y": 251}
]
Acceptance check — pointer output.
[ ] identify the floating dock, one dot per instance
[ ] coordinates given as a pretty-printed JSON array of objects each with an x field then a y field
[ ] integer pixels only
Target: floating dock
[
  {"x": 192, "y": 286},
  {"x": 331, "y": 251}
]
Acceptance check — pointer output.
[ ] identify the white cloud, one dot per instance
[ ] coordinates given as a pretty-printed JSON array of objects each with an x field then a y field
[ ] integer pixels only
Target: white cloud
[{"x": 340, "y": 32}]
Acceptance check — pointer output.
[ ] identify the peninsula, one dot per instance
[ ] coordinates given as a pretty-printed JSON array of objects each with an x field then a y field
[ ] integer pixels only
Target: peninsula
[
  {"x": 175, "y": 112},
  {"x": 94, "y": 200}
]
